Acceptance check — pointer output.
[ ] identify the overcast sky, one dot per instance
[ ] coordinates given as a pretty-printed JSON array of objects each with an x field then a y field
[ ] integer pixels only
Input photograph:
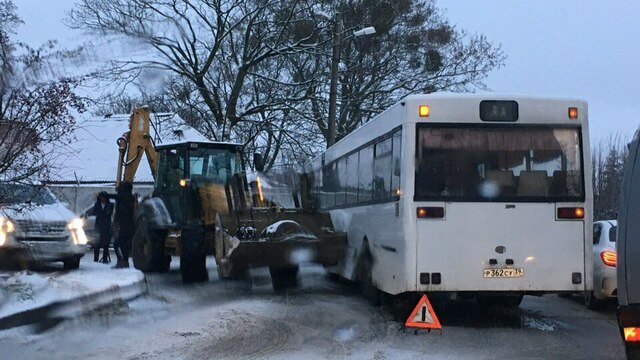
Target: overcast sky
[{"x": 577, "y": 48}]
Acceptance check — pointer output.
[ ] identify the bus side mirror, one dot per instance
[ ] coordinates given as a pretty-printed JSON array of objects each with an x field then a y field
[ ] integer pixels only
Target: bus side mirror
[{"x": 258, "y": 162}]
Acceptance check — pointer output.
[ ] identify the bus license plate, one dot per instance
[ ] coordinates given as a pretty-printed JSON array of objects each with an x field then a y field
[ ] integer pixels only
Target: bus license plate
[{"x": 503, "y": 273}]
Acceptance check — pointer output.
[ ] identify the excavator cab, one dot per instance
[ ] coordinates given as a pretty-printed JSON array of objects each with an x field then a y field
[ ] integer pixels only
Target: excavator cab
[{"x": 192, "y": 178}]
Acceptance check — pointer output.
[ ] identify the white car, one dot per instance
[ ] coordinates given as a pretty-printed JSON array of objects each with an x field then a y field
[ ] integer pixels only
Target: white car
[
  {"x": 36, "y": 227},
  {"x": 604, "y": 264}
]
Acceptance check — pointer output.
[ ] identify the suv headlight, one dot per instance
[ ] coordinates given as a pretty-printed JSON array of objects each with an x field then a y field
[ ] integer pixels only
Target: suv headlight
[
  {"x": 6, "y": 228},
  {"x": 77, "y": 233},
  {"x": 75, "y": 224}
]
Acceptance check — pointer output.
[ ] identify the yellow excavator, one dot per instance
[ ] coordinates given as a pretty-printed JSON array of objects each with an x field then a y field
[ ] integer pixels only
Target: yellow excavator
[{"x": 202, "y": 205}]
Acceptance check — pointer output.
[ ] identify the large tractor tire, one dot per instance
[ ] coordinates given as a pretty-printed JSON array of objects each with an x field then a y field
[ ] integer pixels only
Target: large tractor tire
[
  {"x": 193, "y": 253},
  {"x": 284, "y": 277},
  {"x": 147, "y": 248}
]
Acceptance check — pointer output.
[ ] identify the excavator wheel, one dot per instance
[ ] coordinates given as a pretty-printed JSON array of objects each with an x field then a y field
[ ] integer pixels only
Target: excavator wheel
[
  {"x": 193, "y": 253},
  {"x": 147, "y": 249}
]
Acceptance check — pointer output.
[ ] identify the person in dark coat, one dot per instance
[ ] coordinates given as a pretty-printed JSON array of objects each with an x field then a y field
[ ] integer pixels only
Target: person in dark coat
[
  {"x": 102, "y": 210},
  {"x": 125, "y": 207}
]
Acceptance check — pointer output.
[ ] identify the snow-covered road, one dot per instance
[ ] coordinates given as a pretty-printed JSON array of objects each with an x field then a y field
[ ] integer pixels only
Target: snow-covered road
[
  {"x": 322, "y": 319},
  {"x": 27, "y": 290}
]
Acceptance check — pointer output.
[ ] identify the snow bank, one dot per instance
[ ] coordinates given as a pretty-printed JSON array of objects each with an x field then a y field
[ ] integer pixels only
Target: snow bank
[{"x": 26, "y": 290}]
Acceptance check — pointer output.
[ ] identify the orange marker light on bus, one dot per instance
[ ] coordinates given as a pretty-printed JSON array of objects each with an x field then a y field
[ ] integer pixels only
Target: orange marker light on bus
[
  {"x": 424, "y": 110},
  {"x": 571, "y": 213},
  {"x": 573, "y": 113},
  {"x": 632, "y": 334},
  {"x": 430, "y": 212}
]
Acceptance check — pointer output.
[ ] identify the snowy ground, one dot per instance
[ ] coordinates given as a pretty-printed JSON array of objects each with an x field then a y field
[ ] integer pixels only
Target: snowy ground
[
  {"x": 322, "y": 319},
  {"x": 26, "y": 290}
]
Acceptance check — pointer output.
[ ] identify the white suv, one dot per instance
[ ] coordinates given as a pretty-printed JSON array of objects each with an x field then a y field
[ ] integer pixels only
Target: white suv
[
  {"x": 36, "y": 227},
  {"x": 604, "y": 264}
]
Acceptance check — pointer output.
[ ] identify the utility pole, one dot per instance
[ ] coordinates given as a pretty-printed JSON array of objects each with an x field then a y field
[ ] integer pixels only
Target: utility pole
[{"x": 333, "y": 87}]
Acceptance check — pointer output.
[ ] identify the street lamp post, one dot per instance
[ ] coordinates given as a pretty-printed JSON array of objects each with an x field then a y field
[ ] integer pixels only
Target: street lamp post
[
  {"x": 335, "y": 62},
  {"x": 333, "y": 87}
]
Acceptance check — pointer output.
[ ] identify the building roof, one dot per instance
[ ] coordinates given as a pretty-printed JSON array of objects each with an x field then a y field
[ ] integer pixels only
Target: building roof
[{"x": 92, "y": 157}]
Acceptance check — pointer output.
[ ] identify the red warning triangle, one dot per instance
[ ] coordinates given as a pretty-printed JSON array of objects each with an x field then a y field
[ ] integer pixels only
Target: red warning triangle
[{"x": 423, "y": 316}]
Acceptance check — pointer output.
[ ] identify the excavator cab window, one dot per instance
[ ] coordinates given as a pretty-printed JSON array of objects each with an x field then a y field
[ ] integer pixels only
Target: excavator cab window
[
  {"x": 191, "y": 179},
  {"x": 171, "y": 169},
  {"x": 212, "y": 166}
]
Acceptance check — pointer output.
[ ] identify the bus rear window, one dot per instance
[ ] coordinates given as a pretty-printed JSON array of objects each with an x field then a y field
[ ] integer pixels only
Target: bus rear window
[{"x": 498, "y": 163}]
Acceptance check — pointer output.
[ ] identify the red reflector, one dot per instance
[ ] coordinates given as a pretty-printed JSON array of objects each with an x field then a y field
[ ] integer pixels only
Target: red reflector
[
  {"x": 609, "y": 258},
  {"x": 631, "y": 334},
  {"x": 571, "y": 213},
  {"x": 430, "y": 212}
]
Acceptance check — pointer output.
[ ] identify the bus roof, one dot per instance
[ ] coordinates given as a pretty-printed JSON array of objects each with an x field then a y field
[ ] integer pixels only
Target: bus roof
[
  {"x": 464, "y": 108},
  {"x": 486, "y": 96}
]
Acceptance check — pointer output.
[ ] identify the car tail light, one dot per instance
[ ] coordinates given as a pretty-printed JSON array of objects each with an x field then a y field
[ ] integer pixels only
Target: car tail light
[
  {"x": 609, "y": 258},
  {"x": 632, "y": 334},
  {"x": 430, "y": 212},
  {"x": 571, "y": 213}
]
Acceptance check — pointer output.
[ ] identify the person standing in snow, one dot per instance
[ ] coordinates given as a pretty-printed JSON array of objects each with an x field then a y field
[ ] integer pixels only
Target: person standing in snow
[
  {"x": 103, "y": 209},
  {"x": 125, "y": 206}
]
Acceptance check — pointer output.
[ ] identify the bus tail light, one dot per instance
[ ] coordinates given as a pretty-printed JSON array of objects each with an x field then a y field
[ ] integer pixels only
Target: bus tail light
[
  {"x": 632, "y": 334},
  {"x": 573, "y": 113},
  {"x": 571, "y": 213},
  {"x": 609, "y": 258},
  {"x": 430, "y": 212}
]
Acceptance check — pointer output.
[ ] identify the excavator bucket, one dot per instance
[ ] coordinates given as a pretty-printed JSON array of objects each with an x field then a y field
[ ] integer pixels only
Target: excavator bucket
[{"x": 281, "y": 248}]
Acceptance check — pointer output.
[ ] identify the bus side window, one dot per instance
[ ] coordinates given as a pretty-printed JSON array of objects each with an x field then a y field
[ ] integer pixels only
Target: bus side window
[
  {"x": 365, "y": 174},
  {"x": 352, "y": 179},
  {"x": 395, "y": 177},
  {"x": 382, "y": 170}
]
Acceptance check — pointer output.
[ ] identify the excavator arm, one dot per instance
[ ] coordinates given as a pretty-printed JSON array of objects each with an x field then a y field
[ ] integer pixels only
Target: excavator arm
[{"x": 133, "y": 144}]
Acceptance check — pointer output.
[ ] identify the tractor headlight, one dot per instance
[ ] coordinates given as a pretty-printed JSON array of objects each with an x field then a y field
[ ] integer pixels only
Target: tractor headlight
[
  {"x": 6, "y": 228},
  {"x": 77, "y": 233}
]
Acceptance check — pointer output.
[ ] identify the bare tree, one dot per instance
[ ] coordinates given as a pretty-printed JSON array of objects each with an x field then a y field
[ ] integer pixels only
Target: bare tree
[
  {"x": 36, "y": 105},
  {"x": 256, "y": 71},
  {"x": 219, "y": 46},
  {"x": 607, "y": 159},
  {"x": 414, "y": 50}
]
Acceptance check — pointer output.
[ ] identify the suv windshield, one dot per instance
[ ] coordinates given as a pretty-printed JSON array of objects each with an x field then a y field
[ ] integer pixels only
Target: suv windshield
[
  {"x": 25, "y": 194},
  {"x": 498, "y": 163}
]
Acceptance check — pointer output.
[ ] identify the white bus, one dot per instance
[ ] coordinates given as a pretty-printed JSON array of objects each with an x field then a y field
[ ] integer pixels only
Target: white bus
[{"x": 475, "y": 195}]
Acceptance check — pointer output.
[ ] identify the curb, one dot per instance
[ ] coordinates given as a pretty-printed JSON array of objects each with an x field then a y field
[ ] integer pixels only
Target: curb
[{"x": 49, "y": 315}]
